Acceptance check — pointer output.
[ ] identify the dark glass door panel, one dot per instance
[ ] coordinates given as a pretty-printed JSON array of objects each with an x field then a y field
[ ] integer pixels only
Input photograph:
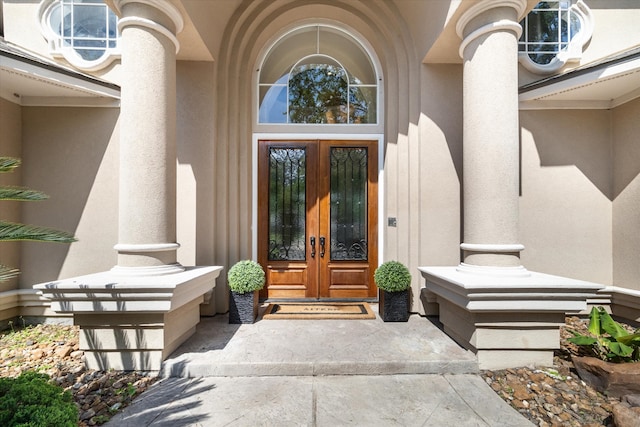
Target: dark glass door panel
[
  {"x": 287, "y": 204},
  {"x": 348, "y": 217}
]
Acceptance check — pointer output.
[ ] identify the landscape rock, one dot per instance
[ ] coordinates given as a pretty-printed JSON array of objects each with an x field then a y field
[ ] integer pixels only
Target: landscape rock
[
  {"x": 632, "y": 399},
  {"x": 625, "y": 416},
  {"x": 613, "y": 379}
]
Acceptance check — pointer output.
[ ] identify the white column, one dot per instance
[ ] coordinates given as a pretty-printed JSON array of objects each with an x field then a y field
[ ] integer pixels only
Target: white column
[
  {"x": 147, "y": 211},
  {"x": 489, "y": 49}
]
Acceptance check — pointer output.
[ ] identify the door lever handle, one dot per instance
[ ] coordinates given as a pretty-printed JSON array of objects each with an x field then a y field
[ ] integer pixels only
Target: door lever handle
[
  {"x": 322, "y": 240},
  {"x": 312, "y": 241}
]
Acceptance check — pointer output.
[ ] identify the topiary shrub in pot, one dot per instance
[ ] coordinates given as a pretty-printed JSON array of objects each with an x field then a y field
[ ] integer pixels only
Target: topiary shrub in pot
[
  {"x": 245, "y": 278},
  {"x": 393, "y": 279}
]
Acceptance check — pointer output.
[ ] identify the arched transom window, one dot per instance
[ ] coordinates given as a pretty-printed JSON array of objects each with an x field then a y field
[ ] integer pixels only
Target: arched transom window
[{"x": 317, "y": 75}]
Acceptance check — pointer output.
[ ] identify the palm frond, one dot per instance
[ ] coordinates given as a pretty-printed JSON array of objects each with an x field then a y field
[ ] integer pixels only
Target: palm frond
[
  {"x": 10, "y": 231},
  {"x": 7, "y": 273},
  {"x": 22, "y": 194},
  {"x": 8, "y": 164}
]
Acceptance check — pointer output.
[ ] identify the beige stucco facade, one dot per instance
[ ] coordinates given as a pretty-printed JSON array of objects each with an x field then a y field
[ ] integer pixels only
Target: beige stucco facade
[{"x": 572, "y": 173}]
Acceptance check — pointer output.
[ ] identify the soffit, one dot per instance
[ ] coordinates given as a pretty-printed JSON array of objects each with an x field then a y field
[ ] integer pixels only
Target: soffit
[
  {"x": 604, "y": 84},
  {"x": 192, "y": 44},
  {"x": 30, "y": 80}
]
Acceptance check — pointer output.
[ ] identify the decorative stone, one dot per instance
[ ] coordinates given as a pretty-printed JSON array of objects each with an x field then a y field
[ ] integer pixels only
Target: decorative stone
[
  {"x": 613, "y": 379},
  {"x": 243, "y": 308},
  {"x": 632, "y": 399},
  {"x": 626, "y": 417},
  {"x": 64, "y": 351},
  {"x": 394, "y": 306}
]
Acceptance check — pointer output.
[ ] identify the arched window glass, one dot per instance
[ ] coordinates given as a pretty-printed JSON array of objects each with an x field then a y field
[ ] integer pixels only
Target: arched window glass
[
  {"x": 554, "y": 33},
  {"x": 84, "y": 32},
  {"x": 318, "y": 75}
]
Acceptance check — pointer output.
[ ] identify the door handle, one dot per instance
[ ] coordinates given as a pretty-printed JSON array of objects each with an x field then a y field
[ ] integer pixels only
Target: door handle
[
  {"x": 322, "y": 240},
  {"x": 312, "y": 241}
]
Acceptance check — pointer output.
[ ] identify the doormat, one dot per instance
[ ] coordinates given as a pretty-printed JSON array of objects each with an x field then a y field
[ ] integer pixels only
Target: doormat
[{"x": 317, "y": 310}]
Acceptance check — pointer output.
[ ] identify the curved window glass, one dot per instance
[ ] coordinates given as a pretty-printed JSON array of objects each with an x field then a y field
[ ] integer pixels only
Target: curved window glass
[
  {"x": 317, "y": 75},
  {"x": 554, "y": 32},
  {"x": 84, "y": 32}
]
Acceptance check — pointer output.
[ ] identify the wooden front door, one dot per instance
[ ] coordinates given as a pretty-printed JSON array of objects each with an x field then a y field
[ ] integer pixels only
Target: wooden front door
[{"x": 318, "y": 218}]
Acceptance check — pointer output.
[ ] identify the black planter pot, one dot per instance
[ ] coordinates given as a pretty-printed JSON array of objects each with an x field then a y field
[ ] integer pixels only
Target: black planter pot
[
  {"x": 243, "y": 308},
  {"x": 394, "y": 306}
]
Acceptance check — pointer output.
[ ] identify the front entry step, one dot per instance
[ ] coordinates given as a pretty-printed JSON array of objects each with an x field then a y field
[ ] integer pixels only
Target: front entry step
[{"x": 322, "y": 347}]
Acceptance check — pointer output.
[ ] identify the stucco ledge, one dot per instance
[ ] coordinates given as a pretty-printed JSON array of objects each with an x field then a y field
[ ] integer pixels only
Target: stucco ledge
[
  {"x": 508, "y": 321},
  {"x": 132, "y": 322}
]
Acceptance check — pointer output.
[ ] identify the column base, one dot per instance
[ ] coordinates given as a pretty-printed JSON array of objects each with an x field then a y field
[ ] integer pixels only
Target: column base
[
  {"x": 132, "y": 322},
  {"x": 508, "y": 321}
]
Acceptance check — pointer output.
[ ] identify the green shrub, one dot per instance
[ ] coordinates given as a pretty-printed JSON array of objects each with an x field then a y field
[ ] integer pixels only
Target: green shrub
[
  {"x": 31, "y": 400},
  {"x": 392, "y": 276},
  {"x": 246, "y": 276},
  {"x": 608, "y": 340}
]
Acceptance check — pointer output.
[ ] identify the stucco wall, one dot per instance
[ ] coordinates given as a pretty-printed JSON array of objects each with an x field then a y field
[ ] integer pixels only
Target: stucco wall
[
  {"x": 72, "y": 155},
  {"x": 196, "y": 172},
  {"x": 626, "y": 192},
  {"x": 434, "y": 199},
  {"x": 566, "y": 193},
  {"x": 10, "y": 146}
]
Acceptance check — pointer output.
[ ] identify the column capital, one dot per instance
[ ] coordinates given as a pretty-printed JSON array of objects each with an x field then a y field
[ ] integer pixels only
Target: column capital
[
  {"x": 483, "y": 6},
  {"x": 162, "y": 6}
]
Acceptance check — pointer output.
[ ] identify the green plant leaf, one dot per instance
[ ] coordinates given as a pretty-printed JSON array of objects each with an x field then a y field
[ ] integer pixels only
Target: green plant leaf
[
  {"x": 620, "y": 349},
  {"x": 21, "y": 194},
  {"x": 582, "y": 340},
  {"x": 631, "y": 340},
  {"x": 10, "y": 231},
  {"x": 246, "y": 276},
  {"x": 8, "y": 164},
  {"x": 594, "y": 322},
  {"x": 610, "y": 326},
  {"x": 392, "y": 276}
]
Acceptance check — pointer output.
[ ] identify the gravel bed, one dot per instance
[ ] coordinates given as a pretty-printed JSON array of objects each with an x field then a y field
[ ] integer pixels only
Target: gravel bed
[
  {"x": 555, "y": 396},
  {"x": 53, "y": 350}
]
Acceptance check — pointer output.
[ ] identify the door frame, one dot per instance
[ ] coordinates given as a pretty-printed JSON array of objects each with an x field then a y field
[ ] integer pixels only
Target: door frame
[{"x": 281, "y": 136}]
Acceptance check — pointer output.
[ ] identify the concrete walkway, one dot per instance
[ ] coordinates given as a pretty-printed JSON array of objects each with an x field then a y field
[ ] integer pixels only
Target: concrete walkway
[{"x": 320, "y": 373}]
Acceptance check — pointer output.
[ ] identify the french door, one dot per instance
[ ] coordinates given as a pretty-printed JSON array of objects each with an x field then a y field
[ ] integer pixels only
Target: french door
[{"x": 317, "y": 218}]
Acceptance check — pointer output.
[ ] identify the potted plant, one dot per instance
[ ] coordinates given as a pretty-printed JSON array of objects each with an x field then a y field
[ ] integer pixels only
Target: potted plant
[
  {"x": 613, "y": 364},
  {"x": 245, "y": 278},
  {"x": 393, "y": 279}
]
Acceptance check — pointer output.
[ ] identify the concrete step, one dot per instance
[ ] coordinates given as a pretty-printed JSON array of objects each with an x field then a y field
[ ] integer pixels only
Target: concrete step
[{"x": 318, "y": 348}]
